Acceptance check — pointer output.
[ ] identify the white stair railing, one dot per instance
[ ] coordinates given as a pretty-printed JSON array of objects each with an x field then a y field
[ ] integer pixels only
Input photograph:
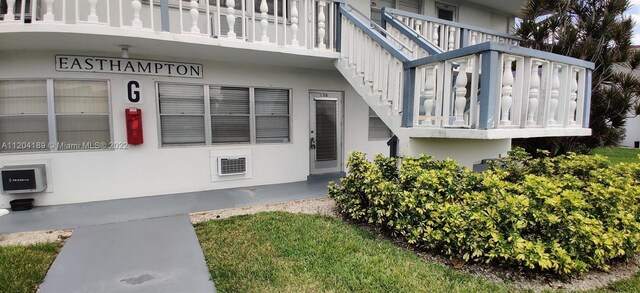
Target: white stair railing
[
  {"x": 373, "y": 60},
  {"x": 449, "y": 35},
  {"x": 373, "y": 66}
]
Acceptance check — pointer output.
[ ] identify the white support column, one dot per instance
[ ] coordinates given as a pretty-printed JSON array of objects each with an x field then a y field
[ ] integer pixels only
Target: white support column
[
  {"x": 555, "y": 94},
  {"x": 10, "y": 16},
  {"x": 137, "y": 6},
  {"x": 231, "y": 18},
  {"x": 48, "y": 16},
  {"x": 474, "y": 36},
  {"x": 460, "y": 94},
  {"x": 264, "y": 22},
  {"x": 194, "y": 16},
  {"x": 507, "y": 90},
  {"x": 534, "y": 95},
  {"x": 573, "y": 104},
  {"x": 294, "y": 23},
  {"x": 321, "y": 24},
  {"x": 93, "y": 16},
  {"x": 429, "y": 95}
]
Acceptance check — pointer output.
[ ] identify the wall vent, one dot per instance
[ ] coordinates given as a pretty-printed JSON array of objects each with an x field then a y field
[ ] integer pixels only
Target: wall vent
[{"x": 232, "y": 166}]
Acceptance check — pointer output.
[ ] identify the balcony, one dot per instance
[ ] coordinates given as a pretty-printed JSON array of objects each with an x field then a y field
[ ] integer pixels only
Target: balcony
[
  {"x": 432, "y": 78},
  {"x": 204, "y": 28}
]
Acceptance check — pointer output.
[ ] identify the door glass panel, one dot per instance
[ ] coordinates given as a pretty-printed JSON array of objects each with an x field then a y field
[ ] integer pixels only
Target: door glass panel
[{"x": 326, "y": 131}]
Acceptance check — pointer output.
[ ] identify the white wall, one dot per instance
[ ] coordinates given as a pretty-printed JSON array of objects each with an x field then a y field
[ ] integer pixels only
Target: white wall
[
  {"x": 633, "y": 132},
  {"x": 149, "y": 169},
  {"x": 473, "y": 14},
  {"x": 464, "y": 151}
]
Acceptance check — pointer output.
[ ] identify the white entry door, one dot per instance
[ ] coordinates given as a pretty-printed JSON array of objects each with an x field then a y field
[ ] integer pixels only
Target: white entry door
[{"x": 325, "y": 132}]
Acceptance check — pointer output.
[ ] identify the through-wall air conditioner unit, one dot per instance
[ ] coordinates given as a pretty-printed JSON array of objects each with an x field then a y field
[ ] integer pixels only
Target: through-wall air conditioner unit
[
  {"x": 23, "y": 179},
  {"x": 232, "y": 166}
]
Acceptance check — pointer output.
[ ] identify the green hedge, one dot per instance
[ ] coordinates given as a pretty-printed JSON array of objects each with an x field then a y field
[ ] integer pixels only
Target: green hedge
[{"x": 565, "y": 214}]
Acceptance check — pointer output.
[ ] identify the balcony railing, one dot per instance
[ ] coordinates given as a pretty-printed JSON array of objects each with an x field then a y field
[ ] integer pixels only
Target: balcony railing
[
  {"x": 447, "y": 35},
  {"x": 306, "y": 24},
  {"x": 486, "y": 86},
  {"x": 494, "y": 85}
]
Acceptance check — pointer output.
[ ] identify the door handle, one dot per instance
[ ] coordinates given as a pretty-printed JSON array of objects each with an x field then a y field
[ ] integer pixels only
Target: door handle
[{"x": 312, "y": 143}]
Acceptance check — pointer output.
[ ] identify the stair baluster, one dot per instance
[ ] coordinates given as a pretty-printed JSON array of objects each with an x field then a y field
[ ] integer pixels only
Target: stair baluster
[
  {"x": 573, "y": 104},
  {"x": 534, "y": 94},
  {"x": 555, "y": 94},
  {"x": 460, "y": 94},
  {"x": 507, "y": 90},
  {"x": 194, "y": 16},
  {"x": 429, "y": 95},
  {"x": 135, "y": 4}
]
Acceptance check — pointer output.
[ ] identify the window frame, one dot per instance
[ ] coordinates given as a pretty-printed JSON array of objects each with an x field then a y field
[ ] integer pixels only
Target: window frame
[
  {"x": 369, "y": 116},
  {"x": 446, "y": 6},
  {"x": 396, "y": 5},
  {"x": 254, "y": 115},
  {"x": 207, "y": 111},
  {"x": 52, "y": 129},
  {"x": 204, "y": 114},
  {"x": 210, "y": 121}
]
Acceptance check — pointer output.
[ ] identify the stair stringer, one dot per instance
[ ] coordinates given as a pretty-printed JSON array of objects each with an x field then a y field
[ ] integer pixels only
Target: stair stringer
[{"x": 384, "y": 111}]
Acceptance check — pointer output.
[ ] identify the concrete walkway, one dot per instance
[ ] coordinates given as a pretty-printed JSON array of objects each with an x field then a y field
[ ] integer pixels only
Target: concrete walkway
[
  {"x": 142, "y": 244},
  {"x": 153, "y": 255},
  {"x": 122, "y": 210}
]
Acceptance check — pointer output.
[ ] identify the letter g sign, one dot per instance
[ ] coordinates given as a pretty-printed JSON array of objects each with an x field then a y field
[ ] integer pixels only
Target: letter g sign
[{"x": 134, "y": 93}]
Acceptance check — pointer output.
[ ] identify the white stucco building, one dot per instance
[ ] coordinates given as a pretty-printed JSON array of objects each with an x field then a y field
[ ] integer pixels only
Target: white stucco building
[{"x": 287, "y": 92}]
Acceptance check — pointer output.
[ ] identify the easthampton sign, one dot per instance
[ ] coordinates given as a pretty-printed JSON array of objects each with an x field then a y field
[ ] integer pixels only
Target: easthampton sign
[{"x": 127, "y": 66}]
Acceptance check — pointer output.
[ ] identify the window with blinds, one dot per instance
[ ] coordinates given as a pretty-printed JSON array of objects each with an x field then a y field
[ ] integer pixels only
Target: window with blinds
[
  {"x": 80, "y": 118},
  {"x": 181, "y": 114},
  {"x": 446, "y": 11},
  {"x": 23, "y": 114},
  {"x": 82, "y": 112},
  {"x": 413, "y": 6},
  {"x": 272, "y": 115},
  {"x": 228, "y": 115},
  {"x": 377, "y": 129}
]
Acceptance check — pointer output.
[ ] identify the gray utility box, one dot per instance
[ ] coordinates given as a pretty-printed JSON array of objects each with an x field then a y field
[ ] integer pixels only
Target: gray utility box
[{"x": 23, "y": 179}]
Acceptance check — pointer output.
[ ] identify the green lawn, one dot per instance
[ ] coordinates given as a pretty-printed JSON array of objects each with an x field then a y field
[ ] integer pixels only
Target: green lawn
[
  {"x": 23, "y": 268},
  {"x": 631, "y": 285},
  {"x": 619, "y": 155},
  {"x": 282, "y": 252}
]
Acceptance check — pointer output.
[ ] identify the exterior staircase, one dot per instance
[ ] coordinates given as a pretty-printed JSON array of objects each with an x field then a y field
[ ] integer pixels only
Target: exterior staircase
[{"x": 422, "y": 77}]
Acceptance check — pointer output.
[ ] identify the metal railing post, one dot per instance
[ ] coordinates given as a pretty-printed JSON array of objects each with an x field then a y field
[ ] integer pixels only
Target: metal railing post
[
  {"x": 164, "y": 15},
  {"x": 489, "y": 90},
  {"x": 408, "y": 92}
]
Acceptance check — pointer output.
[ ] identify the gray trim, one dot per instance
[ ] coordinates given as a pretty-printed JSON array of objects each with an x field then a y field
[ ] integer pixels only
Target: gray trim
[
  {"x": 451, "y": 23},
  {"x": 410, "y": 33},
  {"x": 502, "y": 48},
  {"x": 409, "y": 79},
  {"x": 374, "y": 35},
  {"x": 51, "y": 116},
  {"x": 252, "y": 115},
  {"x": 586, "y": 114},
  {"x": 338, "y": 25},
  {"x": 489, "y": 91},
  {"x": 164, "y": 15},
  {"x": 208, "y": 138},
  {"x": 463, "y": 38}
]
